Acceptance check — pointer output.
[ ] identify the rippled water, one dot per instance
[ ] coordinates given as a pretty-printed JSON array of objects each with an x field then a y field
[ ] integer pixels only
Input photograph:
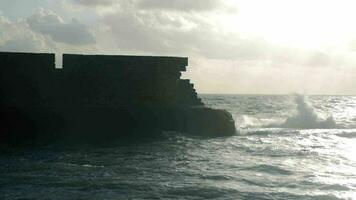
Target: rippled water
[{"x": 266, "y": 160}]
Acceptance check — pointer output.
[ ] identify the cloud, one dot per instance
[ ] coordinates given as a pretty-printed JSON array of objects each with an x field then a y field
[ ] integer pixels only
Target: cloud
[
  {"x": 16, "y": 36},
  {"x": 189, "y": 34},
  {"x": 224, "y": 56},
  {"x": 48, "y": 23},
  {"x": 256, "y": 77},
  {"x": 171, "y": 5},
  {"x": 95, "y": 2},
  {"x": 352, "y": 45},
  {"x": 196, "y": 34},
  {"x": 180, "y": 5},
  {"x": 19, "y": 35}
]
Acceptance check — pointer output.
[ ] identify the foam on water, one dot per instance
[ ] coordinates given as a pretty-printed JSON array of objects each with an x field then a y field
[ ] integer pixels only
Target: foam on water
[
  {"x": 303, "y": 117},
  {"x": 306, "y": 117},
  {"x": 264, "y": 163}
]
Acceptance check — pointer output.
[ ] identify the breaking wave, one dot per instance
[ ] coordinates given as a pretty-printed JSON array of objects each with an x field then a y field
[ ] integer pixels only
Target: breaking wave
[{"x": 305, "y": 117}]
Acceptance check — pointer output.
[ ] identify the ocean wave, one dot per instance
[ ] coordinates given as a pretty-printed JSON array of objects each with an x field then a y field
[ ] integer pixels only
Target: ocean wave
[
  {"x": 304, "y": 117},
  {"x": 266, "y": 131},
  {"x": 246, "y": 122},
  {"x": 336, "y": 187},
  {"x": 307, "y": 118},
  {"x": 347, "y": 134},
  {"x": 270, "y": 169}
]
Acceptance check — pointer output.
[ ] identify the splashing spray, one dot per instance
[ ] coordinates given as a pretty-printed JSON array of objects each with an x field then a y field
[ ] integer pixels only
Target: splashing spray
[{"x": 306, "y": 117}]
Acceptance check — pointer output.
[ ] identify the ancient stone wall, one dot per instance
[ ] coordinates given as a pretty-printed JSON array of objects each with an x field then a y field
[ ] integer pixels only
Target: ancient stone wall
[
  {"x": 186, "y": 94},
  {"x": 29, "y": 79},
  {"x": 96, "y": 95},
  {"x": 26, "y": 79},
  {"x": 122, "y": 80}
]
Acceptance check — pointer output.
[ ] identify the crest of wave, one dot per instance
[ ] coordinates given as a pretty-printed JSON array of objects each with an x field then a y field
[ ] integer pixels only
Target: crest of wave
[{"x": 306, "y": 117}]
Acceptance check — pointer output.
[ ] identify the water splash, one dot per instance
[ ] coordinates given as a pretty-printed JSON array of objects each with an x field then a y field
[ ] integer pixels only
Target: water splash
[
  {"x": 247, "y": 121},
  {"x": 306, "y": 117}
]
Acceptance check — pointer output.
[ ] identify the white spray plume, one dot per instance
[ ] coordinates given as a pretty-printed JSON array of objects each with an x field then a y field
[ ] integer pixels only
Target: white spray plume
[{"x": 306, "y": 117}]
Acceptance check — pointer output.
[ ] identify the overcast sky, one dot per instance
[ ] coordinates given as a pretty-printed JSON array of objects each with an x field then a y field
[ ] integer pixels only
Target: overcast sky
[{"x": 234, "y": 46}]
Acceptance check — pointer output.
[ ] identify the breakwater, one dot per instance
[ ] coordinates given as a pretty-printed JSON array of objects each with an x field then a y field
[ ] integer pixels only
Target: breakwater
[{"x": 106, "y": 95}]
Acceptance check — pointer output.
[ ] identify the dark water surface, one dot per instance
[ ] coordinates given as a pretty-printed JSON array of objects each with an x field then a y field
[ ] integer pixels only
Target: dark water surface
[{"x": 266, "y": 160}]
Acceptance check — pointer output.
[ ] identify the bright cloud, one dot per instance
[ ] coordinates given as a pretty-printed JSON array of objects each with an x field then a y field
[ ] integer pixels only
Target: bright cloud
[
  {"x": 49, "y": 23},
  {"x": 234, "y": 46}
]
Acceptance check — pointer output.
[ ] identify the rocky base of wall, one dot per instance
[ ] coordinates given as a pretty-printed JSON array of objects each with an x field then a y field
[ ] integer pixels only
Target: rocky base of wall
[{"x": 110, "y": 123}]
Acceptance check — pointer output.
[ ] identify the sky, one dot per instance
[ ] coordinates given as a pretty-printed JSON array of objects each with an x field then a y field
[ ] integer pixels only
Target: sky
[{"x": 233, "y": 46}]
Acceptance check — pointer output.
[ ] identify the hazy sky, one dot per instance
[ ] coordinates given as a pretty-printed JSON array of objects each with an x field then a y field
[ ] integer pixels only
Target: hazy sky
[{"x": 234, "y": 46}]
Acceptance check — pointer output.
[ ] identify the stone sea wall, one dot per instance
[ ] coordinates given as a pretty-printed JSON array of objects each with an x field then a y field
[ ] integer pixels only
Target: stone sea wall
[
  {"x": 26, "y": 79},
  {"x": 117, "y": 95},
  {"x": 122, "y": 80}
]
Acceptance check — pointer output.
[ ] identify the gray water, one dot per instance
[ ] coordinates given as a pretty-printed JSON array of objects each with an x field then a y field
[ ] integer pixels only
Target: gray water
[{"x": 286, "y": 148}]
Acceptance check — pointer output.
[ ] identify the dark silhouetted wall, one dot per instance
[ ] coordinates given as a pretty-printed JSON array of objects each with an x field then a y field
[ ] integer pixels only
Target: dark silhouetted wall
[{"x": 26, "y": 79}]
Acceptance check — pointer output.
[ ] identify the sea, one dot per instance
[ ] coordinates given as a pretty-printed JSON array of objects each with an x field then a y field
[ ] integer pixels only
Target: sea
[{"x": 286, "y": 147}]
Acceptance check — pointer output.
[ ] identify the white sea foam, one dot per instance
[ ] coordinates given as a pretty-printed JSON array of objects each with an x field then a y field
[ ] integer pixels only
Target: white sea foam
[
  {"x": 306, "y": 117},
  {"x": 303, "y": 117},
  {"x": 262, "y": 163}
]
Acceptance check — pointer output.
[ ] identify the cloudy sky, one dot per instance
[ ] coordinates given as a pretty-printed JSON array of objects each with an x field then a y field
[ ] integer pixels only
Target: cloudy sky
[{"x": 234, "y": 46}]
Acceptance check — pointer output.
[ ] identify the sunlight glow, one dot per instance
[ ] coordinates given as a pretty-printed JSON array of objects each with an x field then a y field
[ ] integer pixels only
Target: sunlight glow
[{"x": 306, "y": 24}]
